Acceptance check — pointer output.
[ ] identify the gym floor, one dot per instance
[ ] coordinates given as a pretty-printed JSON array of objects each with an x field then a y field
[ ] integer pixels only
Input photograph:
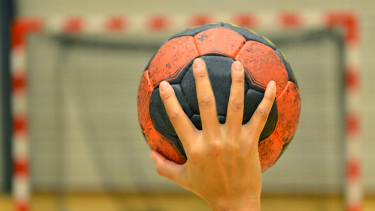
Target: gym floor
[{"x": 172, "y": 202}]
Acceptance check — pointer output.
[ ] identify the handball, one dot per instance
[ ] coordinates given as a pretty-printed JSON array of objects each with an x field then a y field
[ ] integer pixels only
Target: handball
[{"x": 219, "y": 45}]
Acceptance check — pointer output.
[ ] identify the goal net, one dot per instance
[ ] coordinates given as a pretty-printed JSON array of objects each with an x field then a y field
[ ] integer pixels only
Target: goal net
[{"x": 86, "y": 150}]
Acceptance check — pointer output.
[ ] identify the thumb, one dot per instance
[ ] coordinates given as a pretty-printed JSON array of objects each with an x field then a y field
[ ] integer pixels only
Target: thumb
[{"x": 165, "y": 167}]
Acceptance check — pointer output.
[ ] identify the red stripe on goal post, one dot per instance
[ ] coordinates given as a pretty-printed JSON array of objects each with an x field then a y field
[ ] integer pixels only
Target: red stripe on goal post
[
  {"x": 198, "y": 20},
  {"x": 351, "y": 80},
  {"x": 19, "y": 82},
  {"x": 245, "y": 20},
  {"x": 290, "y": 19},
  {"x": 21, "y": 205},
  {"x": 21, "y": 168},
  {"x": 158, "y": 23},
  {"x": 355, "y": 207},
  {"x": 353, "y": 170},
  {"x": 73, "y": 25},
  {"x": 352, "y": 124},
  {"x": 23, "y": 26},
  {"x": 19, "y": 124},
  {"x": 348, "y": 21},
  {"x": 114, "y": 24}
]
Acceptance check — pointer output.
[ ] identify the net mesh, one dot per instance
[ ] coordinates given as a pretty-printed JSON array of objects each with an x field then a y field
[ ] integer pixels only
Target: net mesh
[{"x": 85, "y": 136}]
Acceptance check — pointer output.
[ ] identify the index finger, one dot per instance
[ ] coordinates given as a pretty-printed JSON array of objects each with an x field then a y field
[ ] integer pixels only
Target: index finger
[
  {"x": 260, "y": 116},
  {"x": 181, "y": 123}
]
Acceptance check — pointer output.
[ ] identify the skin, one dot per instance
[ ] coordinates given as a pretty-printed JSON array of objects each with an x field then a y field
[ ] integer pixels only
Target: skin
[{"x": 223, "y": 164}]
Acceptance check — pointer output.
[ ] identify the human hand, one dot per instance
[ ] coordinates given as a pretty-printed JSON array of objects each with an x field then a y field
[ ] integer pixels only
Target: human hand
[{"x": 223, "y": 164}]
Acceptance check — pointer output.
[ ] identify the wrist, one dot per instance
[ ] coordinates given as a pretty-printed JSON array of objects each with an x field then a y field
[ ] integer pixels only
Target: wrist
[{"x": 247, "y": 204}]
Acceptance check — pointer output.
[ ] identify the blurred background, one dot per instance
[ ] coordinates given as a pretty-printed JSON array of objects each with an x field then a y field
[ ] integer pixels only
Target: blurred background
[{"x": 85, "y": 147}]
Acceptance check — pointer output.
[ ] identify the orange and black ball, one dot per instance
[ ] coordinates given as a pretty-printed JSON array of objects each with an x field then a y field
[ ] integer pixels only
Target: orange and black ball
[{"x": 219, "y": 45}]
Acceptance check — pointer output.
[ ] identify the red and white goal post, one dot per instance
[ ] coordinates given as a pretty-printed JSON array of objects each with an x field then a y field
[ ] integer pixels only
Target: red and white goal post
[{"x": 24, "y": 26}]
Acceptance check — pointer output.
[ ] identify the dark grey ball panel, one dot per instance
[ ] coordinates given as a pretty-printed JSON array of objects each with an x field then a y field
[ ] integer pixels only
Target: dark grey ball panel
[
  {"x": 196, "y": 120},
  {"x": 159, "y": 115},
  {"x": 222, "y": 119},
  {"x": 182, "y": 100},
  {"x": 252, "y": 100},
  {"x": 271, "y": 123},
  {"x": 219, "y": 71}
]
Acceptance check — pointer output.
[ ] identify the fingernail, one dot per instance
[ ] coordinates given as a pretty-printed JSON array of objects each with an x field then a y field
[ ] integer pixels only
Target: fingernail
[
  {"x": 151, "y": 155},
  {"x": 272, "y": 85},
  {"x": 163, "y": 86},
  {"x": 237, "y": 66},
  {"x": 198, "y": 63}
]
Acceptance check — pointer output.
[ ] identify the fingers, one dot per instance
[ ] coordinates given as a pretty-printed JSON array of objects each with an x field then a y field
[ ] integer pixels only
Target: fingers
[
  {"x": 259, "y": 118},
  {"x": 181, "y": 123},
  {"x": 236, "y": 99},
  {"x": 206, "y": 98},
  {"x": 167, "y": 168}
]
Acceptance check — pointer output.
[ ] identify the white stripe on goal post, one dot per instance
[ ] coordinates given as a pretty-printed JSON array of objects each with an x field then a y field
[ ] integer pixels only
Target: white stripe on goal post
[{"x": 22, "y": 27}]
